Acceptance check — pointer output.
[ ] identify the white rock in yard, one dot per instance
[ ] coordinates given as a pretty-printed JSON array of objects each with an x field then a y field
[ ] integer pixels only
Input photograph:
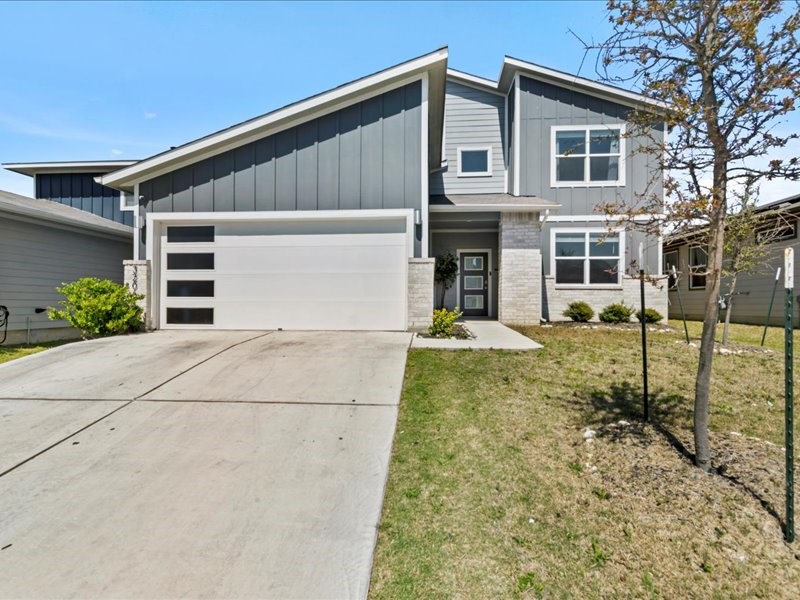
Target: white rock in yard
[
  {"x": 623, "y": 423},
  {"x": 588, "y": 434}
]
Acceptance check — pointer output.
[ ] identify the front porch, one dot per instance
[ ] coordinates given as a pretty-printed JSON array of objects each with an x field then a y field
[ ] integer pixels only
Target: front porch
[{"x": 497, "y": 241}]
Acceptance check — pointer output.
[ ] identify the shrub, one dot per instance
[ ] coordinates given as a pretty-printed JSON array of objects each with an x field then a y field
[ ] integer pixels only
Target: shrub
[
  {"x": 651, "y": 315},
  {"x": 579, "y": 311},
  {"x": 443, "y": 322},
  {"x": 98, "y": 307},
  {"x": 616, "y": 313}
]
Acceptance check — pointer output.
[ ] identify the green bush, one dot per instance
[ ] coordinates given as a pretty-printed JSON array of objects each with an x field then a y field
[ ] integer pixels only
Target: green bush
[
  {"x": 98, "y": 307},
  {"x": 616, "y": 313},
  {"x": 443, "y": 322},
  {"x": 579, "y": 311},
  {"x": 651, "y": 315}
]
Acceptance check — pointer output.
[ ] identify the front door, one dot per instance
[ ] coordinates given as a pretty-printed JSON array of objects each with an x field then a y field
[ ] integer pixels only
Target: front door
[{"x": 474, "y": 284}]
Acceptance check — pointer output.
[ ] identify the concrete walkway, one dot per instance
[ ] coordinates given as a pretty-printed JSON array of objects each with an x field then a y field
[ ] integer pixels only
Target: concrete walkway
[
  {"x": 200, "y": 464},
  {"x": 489, "y": 335}
]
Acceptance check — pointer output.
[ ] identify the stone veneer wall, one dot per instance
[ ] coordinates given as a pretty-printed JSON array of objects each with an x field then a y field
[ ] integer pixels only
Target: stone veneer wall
[
  {"x": 420, "y": 293},
  {"x": 520, "y": 287},
  {"x": 137, "y": 278},
  {"x": 556, "y": 300}
]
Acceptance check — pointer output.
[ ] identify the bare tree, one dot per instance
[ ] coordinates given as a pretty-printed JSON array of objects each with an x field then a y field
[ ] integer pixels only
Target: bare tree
[{"x": 727, "y": 72}]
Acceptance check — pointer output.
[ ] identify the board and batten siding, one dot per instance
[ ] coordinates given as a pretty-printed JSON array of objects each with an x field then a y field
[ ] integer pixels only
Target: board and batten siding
[
  {"x": 542, "y": 106},
  {"x": 81, "y": 191},
  {"x": 365, "y": 156},
  {"x": 473, "y": 118},
  {"x": 753, "y": 290},
  {"x": 35, "y": 258}
]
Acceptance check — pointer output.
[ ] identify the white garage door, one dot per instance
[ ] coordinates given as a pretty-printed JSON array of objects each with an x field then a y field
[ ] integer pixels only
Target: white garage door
[{"x": 343, "y": 275}]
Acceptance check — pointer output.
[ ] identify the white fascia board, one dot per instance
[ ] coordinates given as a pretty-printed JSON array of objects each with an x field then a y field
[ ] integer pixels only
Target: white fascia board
[
  {"x": 424, "y": 181},
  {"x": 584, "y": 85},
  {"x": 277, "y": 120},
  {"x": 486, "y": 85},
  {"x": 87, "y": 166},
  {"x": 602, "y": 218}
]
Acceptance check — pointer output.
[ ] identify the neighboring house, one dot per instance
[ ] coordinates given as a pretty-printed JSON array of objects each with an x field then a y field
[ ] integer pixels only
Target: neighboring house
[
  {"x": 687, "y": 253},
  {"x": 44, "y": 244},
  {"x": 327, "y": 213},
  {"x": 73, "y": 184}
]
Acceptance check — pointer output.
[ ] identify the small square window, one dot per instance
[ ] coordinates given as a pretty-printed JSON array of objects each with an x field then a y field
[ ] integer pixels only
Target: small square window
[{"x": 474, "y": 162}]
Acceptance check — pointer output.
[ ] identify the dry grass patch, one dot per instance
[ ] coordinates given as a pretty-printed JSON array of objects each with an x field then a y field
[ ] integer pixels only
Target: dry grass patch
[{"x": 493, "y": 491}]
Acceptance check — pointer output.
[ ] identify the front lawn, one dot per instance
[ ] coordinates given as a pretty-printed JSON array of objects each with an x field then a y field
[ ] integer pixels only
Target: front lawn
[
  {"x": 493, "y": 491},
  {"x": 8, "y": 353}
]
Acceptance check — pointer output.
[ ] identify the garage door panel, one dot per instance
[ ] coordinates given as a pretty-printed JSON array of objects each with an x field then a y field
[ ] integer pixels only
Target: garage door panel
[
  {"x": 307, "y": 315},
  {"x": 297, "y": 275}
]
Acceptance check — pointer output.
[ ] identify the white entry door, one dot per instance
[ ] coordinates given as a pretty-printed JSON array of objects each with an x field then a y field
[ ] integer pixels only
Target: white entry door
[{"x": 295, "y": 274}]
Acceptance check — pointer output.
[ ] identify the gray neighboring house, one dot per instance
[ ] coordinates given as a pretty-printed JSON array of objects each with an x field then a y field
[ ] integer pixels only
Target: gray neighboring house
[
  {"x": 753, "y": 290},
  {"x": 44, "y": 244},
  {"x": 328, "y": 213}
]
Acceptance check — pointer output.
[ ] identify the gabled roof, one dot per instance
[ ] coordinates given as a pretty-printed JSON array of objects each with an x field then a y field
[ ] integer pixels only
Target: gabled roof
[
  {"x": 473, "y": 80},
  {"x": 434, "y": 64},
  {"x": 53, "y": 212},
  {"x": 511, "y": 66},
  {"x": 84, "y": 166}
]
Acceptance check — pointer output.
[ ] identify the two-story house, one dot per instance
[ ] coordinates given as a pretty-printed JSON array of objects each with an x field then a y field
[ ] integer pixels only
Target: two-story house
[{"x": 328, "y": 213}]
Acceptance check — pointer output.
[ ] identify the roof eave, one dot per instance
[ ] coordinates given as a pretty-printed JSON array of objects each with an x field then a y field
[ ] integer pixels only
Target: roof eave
[
  {"x": 90, "y": 166},
  {"x": 512, "y": 65}
]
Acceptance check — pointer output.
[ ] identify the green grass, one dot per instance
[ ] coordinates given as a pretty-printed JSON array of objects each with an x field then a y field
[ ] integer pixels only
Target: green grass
[
  {"x": 8, "y": 353},
  {"x": 744, "y": 334},
  {"x": 493, "y": 492}
]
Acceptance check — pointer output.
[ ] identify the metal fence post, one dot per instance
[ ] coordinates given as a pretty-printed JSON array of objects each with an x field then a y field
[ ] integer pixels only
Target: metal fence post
[{"x": 789, "y": 390}]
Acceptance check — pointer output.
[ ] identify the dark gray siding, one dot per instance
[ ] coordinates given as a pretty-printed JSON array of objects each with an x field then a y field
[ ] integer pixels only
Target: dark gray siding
[
  {"x": 473, "y": 118},
  {"x": 542, "y": 106},
  {"x": 364, "y": 156},
  {"x": 81, "y": 191},
  {"x": 37, "y": 257}
]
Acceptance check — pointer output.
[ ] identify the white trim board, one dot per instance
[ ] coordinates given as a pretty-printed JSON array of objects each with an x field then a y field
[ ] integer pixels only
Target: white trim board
[
  {"x": 277, "y": 120},
  {"x": 517, "y": 128},
  {"x": 425, "y": 176}
]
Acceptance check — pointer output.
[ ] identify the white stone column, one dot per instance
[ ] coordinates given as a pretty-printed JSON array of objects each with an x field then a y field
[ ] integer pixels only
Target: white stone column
[
  {"x": 137, "y": 278},
  {"x": 520, "y": 284},
  {"x": 420, "y": 293}
]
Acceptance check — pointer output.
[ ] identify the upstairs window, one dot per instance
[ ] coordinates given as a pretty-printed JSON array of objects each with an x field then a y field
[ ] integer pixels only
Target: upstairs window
[
  {"x": 474, "y": 162},
  {"x": 698, "y": 263},
  {"x": 590, "y": 155},
  {"x": 587, "y": 258}
]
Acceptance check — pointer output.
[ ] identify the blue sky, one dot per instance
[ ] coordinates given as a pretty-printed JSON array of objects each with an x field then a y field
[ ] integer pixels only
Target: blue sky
[{"x": 84, "y": 81}]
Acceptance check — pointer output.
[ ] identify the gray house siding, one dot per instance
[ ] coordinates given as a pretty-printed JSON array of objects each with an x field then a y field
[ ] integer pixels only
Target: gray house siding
[
  {"x": 541, "y": 106},
  {"x": 473, "y": 118},
  {"x": 36, "y": 258},
  {"x": 364, "y": 156},
  {"x": 753, "y": 290},
  {"x": 81, "y": 191}
]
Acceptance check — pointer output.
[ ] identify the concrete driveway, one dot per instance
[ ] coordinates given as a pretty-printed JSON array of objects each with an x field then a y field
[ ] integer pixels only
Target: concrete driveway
[{"x": 200, "y": 464}]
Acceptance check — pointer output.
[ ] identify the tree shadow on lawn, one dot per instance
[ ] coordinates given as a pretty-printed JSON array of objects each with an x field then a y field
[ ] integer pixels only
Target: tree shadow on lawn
[{"x": 670, "y": 417}]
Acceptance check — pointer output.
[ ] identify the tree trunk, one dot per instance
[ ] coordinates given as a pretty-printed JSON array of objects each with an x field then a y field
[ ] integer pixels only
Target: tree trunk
[{"x": 441, "y": 298}]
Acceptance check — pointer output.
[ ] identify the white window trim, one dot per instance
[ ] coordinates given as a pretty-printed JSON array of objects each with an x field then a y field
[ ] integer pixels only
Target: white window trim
[
  {"x": 586, "y": 231},
  {"x": 620, "y": 182},
  {"x": 488, "y": 149},
  {"x": 691, "y": 266}
]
